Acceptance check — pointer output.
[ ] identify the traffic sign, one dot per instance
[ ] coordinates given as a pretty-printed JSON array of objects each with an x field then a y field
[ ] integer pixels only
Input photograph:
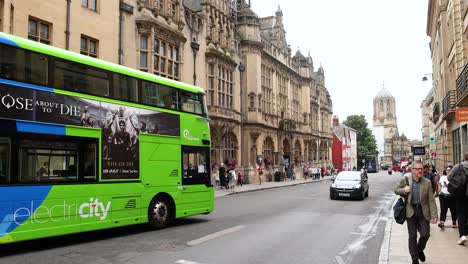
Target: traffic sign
[{"x": 434, "y": 155}]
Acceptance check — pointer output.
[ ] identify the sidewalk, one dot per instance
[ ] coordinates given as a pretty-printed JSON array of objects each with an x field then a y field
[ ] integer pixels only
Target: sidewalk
[
  {"x": 265, "y": 185},
  {"x": 442, "y": 247}
]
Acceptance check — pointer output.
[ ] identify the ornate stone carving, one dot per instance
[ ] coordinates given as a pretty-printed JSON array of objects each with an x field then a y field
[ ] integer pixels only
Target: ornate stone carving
[{"x": 144, "y": 27}]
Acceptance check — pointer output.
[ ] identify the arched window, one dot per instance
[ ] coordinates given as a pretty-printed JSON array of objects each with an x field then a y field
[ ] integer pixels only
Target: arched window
[
  {"x": 297, "y": 151},
  {"x": 268, "y": 151},
  {"x": 230, "y": 147},
  {"x": 314, "y": 150}
]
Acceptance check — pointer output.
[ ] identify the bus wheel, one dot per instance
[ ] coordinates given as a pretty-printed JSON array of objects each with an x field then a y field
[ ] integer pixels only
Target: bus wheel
[{"x": 160, "y": 213}]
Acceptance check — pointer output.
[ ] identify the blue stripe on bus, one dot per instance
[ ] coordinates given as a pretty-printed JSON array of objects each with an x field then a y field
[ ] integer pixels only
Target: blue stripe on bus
[
  {"x": 40, "y": 128},
  {"x": 5, "y": 40},
  {"x": 26, "y": 85},
  {"x": 17, "y": 204}
]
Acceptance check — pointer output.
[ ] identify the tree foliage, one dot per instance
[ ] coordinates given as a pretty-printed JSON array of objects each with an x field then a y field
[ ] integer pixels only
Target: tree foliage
[{"x": 366, "y": 144}]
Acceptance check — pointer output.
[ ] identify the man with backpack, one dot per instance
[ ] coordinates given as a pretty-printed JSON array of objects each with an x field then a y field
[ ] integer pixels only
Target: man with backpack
[{"x": 458, "y": 187}]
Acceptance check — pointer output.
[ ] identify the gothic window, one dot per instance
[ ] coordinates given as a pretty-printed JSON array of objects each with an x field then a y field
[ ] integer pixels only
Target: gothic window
[
  {"x": 211, "y": 84},
  {"x": 160, "y": 5},
  {"x": 144, "y": 53},
  {"x": 220, "y": 85},
  {"x": 172, "y": 9},
  {"x": 211, "y": 28},
  {"x": 227, "y": 37},
  {"x": 230, "y": 147},
  {"x": 283, "y": 91},
  {"x": 252, "y": 102},
  {"x": 166, "y": 59},
  {"x": 296, "y": 106},
  {"x": 388, "y": 107},
  {"x": 297, "y": 151},
  {"x": 266, "y": 104},
  {"x": 268, "y": 150},
  {"x": 220, "y": 31},
  {"x": 381, "y": 108}
]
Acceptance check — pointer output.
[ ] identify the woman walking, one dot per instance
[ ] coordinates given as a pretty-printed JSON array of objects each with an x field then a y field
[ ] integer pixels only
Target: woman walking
[{"x": 447, "y": 201}]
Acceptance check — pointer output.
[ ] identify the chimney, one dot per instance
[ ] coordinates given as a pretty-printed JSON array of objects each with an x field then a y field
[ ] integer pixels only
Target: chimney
[{"x": 336, "y": 122}]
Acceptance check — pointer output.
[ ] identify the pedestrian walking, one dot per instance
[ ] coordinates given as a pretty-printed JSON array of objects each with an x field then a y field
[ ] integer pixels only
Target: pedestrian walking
[
  {"x": 260, "y": 173},
  {"x": 240, "y": 179},
  {"x": 222, "y": 175},
  {"x": 458, "y": 175},
  {"x": 305, "y": 171},
  {"x": 447, "y": 201},
  {"x": 420, "y": 209},
  {"x": 431, "y": 177}
]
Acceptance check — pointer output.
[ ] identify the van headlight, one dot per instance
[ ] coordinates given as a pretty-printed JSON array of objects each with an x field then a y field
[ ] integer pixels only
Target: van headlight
[
  {"x": 333, "y": 185},
  {"x": 357, "y": 186}
]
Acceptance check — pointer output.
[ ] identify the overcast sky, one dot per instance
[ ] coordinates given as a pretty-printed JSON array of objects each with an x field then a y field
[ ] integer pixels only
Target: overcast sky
[{"x": 361, "y": 45}]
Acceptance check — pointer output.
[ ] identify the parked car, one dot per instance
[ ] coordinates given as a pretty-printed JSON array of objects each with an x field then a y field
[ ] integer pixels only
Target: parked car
[{"x": 350, "y": 184}]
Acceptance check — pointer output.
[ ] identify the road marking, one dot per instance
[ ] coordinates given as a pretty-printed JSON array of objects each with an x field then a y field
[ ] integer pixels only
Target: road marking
[
  {"x": 362, "y": 234},
  {"x": 385, "y": 247},
  {"x": 215, "y": 235},
  {"x": 186, "y": 262}
]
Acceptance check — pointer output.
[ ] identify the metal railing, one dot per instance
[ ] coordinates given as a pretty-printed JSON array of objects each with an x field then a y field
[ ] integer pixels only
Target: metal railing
[
  {"x": 448, "y": 104},
  {"x": 462, "y": 83}
]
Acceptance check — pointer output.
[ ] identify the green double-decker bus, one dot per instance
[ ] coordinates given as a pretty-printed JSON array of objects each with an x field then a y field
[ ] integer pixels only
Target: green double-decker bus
[{"x": 86, "y": 144}]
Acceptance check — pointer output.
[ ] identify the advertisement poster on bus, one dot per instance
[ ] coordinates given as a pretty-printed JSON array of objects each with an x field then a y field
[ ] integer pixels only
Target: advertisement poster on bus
[{"x": 120, "y": 125}]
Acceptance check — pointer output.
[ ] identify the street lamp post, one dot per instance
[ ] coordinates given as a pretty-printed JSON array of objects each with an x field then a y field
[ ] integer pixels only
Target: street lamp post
[
  {"x": 424, "y": 78},
  {"x": 241, "y": 72}
]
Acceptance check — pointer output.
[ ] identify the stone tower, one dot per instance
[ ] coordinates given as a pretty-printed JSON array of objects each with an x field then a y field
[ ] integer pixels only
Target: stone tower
[{"x": 385, "y": 121}]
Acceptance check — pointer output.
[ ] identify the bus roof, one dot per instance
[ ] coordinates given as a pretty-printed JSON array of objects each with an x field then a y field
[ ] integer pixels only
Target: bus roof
[{"x": 98, "y": 63}]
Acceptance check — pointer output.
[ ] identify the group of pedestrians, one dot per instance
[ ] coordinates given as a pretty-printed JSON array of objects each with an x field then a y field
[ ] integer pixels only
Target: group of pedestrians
[
  {"x": 313, "y": 172},
  {"x": 228, "y": 178},
  {"x": 420, "y": 186}
]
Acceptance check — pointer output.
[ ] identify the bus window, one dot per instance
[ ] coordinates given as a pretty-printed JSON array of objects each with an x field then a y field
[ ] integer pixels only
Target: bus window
[
  {"x": 90, "y": 157},
  {"x": 4, "y": 160},
  {"x": 196, "y": 169},
  {"x": 46, "y": 159},
  {"x": 24, "y": 66},
  {"x": 192, "y": 103},
  {"x": 80, "y": 78},
  {"x": 159, "y": 95},
  {"x": 125, "y": 88}
]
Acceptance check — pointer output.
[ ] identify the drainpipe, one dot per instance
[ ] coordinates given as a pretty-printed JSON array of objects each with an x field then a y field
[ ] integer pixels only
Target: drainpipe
[
  {"x": 123, "y": 7},
  {"x": 67, "y": 29},
  {"x": 121, "y": 19},
  {"x": 195, "y": 47}
]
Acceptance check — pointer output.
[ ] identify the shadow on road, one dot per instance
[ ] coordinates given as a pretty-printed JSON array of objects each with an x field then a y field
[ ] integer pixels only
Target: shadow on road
[{"x": 87, "y": 237}]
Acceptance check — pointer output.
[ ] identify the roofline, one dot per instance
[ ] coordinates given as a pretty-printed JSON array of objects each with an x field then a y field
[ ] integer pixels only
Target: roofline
[{"x": 98, "y": 63}]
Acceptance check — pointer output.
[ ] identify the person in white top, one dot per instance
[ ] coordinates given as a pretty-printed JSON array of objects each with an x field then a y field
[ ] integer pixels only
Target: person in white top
[{"x": 447, "y": 201}]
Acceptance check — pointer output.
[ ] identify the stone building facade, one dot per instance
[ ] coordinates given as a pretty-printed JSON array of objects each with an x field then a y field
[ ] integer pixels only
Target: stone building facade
[
  {"x": 447, "y": 26},
  {"x": 267, "y": 106}
]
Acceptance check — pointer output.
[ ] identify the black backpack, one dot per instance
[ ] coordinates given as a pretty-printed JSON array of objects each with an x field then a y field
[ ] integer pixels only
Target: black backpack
[{"x": 457, "y": 182}]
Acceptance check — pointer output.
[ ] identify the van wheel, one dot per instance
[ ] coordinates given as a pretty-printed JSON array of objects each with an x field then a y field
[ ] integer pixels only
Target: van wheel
[{"x": 160, "y": 213}]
